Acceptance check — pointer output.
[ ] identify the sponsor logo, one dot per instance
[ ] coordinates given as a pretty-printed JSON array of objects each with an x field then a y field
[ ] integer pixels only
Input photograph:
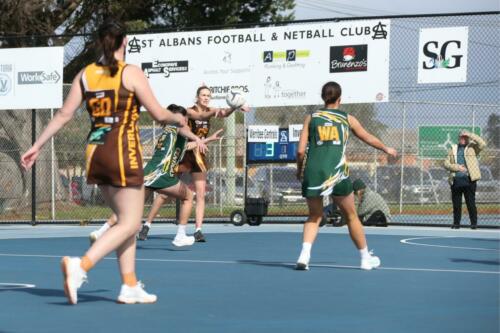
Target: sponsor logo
[
  {"x": 274, "y": 90},
  {"x": 227, "y": 58},
  {"x": 288, "y": 55},
  {"x": 294, "y": 131},
  {"x": 376, "y": 32},
  {"x": 448, "y": 55},
  {"x": 220, "y": 92},
  {"x": 5, "y": 84},
  {"x": 5, "y": 79},
  {"x": 349, "y": 58},
  {"x": 263, "y": 133},
  {"x": 229, "y": 66},
  {"x": 38, "y": 77},
  {"x": 165, "y": 67}
]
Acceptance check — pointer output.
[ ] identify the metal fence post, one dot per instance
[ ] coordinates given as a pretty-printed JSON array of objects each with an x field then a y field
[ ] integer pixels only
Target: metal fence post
[
  {"x": 33, "y": 170},
  {"x": 473, "y": 119},
  {"x": 402, "y": 159},
  {"x": 52, "y": 172}
]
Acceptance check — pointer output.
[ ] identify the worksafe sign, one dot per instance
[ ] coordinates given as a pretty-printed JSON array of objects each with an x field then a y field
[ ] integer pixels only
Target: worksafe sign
[{"x": 29, "y": 84}]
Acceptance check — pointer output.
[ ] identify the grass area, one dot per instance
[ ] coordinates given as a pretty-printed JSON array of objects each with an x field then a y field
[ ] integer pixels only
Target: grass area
[{"x": 70, "y": 211}]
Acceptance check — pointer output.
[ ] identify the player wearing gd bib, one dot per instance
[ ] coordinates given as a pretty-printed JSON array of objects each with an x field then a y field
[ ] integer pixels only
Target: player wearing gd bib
[
  {"x": 326, "y": 165},
  {"x": 160, "y": 172},
  {"x": 324, "y": 171}
]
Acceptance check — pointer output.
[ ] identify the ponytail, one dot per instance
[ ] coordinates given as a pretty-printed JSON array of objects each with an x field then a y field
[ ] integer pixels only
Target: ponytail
[{"x": 111, "y": 35}]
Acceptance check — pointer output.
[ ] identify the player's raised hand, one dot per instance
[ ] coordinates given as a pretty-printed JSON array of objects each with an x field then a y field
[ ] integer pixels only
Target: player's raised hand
[
  {"x": 245, "y": 108},
  {"x": 215, "y": 136}
]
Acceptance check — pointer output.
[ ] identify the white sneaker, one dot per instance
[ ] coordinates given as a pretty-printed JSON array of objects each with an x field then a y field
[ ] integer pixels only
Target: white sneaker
[
  {"x": 74, "y": 276},
  {"x": 133, "y": 295},
  {"x": 370, "y": 263},
  {"x": 183, "y": 241},
  {"x": 303, "y": 261},
  {"x": 94, "y": 235}
]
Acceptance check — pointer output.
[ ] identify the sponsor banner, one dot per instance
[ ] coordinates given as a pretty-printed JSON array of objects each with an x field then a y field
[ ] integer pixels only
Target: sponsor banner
[
  {"x": 258, "y": 133},
  {"x": 31, "y": 78},
  {"x": 294, "y": 131},
  {"x": 272, "y": 66},
  {"x": 443, "y": 55}
]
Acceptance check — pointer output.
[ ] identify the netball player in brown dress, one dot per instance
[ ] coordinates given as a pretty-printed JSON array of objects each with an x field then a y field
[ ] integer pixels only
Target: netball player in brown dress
[
  {"x": 194, "y": 161},
  {"x": 113, "y": 92}
]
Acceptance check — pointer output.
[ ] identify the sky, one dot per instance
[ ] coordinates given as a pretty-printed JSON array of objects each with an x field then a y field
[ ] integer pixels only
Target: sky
[{"x": 316, "y": 9}]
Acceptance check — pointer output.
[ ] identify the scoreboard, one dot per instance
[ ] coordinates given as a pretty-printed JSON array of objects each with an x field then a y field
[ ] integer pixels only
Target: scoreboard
[{"x": 281, "y": 150}]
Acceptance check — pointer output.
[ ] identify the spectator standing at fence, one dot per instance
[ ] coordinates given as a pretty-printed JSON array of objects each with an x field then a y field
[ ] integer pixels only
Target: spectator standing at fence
[
  {"x": 194, "y": 161},
  {"x": 372, "y": 208},
  {"x": 464, "y": 171},
  {"x": 322, "y": 167},
  {"x": 113, "y": 92}
]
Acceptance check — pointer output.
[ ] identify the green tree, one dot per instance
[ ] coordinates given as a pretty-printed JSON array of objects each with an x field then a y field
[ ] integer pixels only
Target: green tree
[{"x": 54, "y": 22}]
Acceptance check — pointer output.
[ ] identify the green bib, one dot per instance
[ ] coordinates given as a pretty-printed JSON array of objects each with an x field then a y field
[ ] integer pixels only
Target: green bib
[{"x": 325, "y": 163}]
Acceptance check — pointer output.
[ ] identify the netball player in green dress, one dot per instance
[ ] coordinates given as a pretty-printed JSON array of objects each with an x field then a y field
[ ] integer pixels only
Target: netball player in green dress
[{"x": 322, "y": 167}]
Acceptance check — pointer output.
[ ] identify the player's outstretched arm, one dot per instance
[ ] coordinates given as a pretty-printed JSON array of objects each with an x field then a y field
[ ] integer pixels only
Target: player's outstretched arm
[
  {"x": 368, "y": 138},
  {"x": 226, "y": 112},
  {"x": 192, "y": 114}
]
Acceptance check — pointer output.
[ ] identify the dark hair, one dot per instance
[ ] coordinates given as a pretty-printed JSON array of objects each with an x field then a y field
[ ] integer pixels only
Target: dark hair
[
  {"x": 174, "y": 108},
  {"x": 331, "y": 92},
  {"x": 200, "y": 89},
  {"x": 111, "y": 34}
]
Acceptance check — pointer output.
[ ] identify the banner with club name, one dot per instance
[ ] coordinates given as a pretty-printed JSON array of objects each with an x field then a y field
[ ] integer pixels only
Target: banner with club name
[
  {"x": 31, "y": 78},
  {"x": 272, "y": 66}
]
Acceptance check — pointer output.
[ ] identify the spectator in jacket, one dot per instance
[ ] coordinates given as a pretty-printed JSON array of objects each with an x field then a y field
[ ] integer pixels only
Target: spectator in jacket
[{"x": 464, "y": 173}]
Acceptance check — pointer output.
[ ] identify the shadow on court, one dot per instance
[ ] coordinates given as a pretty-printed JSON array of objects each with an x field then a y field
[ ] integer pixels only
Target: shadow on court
[
  {"x": 267, "y": 263},
  {"x": 474, "y": 261},
  {"x": 163, "y": 248},
  {"x": 83, "y": 297}
]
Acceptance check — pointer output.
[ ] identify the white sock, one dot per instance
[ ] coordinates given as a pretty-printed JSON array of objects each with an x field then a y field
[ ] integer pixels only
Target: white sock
[
  {"x": 181, "y": 230},
  {"x": 148, "y": 224},
  {"x": 364, "y": 253},
  {"x": 103, "y": 228},
  {"x": 306, "y": 247},
  {"x": 197, "y": 229}
]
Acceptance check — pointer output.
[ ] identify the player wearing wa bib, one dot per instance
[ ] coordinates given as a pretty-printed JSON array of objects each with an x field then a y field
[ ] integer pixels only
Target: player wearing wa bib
[
  {"x": 161, "y": 170},
  {"x": 326, "y": 170},
  {"x": 114, "y": 154}
]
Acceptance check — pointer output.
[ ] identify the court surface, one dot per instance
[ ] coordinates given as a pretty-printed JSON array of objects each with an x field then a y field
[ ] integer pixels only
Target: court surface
[{"x": 242, "y": 280}]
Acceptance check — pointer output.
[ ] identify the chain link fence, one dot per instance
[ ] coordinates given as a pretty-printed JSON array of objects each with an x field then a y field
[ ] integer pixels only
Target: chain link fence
[{"x": 414, "y": 185}]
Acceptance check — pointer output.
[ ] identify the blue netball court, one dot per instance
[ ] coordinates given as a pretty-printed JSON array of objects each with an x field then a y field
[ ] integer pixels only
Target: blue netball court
[{"x": 242, "y": 280}]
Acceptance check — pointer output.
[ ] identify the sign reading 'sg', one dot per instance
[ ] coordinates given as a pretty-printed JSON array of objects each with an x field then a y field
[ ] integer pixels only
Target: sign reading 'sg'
[{"x": 443, "y": 55}]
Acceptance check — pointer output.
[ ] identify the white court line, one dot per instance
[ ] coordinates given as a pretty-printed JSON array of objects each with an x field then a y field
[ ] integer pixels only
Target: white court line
[
  {"x": 10, "y": 286},
  {"x": 243, "y": 262},
  {"x": 409, "y": 241}
]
